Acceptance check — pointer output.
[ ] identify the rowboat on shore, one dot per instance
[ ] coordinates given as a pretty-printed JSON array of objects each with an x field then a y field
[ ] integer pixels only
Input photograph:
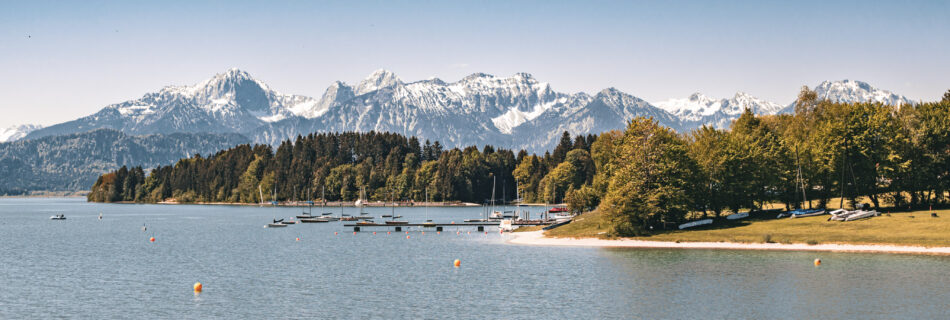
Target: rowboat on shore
[
  {"x": 696, "y": 223},
  {"x": 737, "y": 216},
  {"x": 808, "y": 213}
]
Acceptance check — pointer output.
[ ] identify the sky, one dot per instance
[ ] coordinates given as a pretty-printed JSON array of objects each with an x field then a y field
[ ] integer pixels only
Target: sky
[{"x": 63, "y": 60}]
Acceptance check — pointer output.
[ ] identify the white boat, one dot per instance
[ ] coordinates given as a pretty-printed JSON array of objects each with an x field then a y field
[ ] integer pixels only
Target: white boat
[
  {"x": 861, "y": 214},
  {"x": 841, "y": 214},
  {"x": 696, "y": 223},
  {"x": 58, "y": 217},
  {"x": 808, "y": 214},
  {"x": 737, "y": 216}
]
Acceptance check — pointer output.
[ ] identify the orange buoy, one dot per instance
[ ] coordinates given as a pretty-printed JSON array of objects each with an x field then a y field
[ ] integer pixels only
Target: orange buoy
[
  {"x": 198, "y": 287},
  {"x": 334, "y": 233},
  {"x": 486, "y": 232},
  {"x": 438, "y": 232},
  {"x": 456, "y": 232},
  {"x": 423, "y": 233},
  {"x": 354, "y": 233},
  {"x": 453, "y": 222},
  {"x": 407, "y": 237},
  {"x": 388, "y": 232},
  {"x": 458, "y": 263},
  {"x": 468, "y": 232},
  {"x": 298, "y": 239},
  {"x": 407, "y": 232},
  {"x": 817, "y": 262},
  {"x": 374, "y": 232},
  {"x": 152, "y": 239}
]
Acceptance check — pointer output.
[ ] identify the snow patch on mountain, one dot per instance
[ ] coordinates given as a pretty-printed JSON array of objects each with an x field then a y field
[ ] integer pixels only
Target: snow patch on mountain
[
  {"x": 698, "y": 109},
  {"x": 14, "y": 133}
]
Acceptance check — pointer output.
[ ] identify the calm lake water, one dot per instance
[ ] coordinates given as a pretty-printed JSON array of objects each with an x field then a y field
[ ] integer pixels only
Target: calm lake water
[{"x": 86, "y": 268}]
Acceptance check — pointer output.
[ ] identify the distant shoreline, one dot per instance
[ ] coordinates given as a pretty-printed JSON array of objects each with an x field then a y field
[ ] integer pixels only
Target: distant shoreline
[{"x": 537, "y": 238}]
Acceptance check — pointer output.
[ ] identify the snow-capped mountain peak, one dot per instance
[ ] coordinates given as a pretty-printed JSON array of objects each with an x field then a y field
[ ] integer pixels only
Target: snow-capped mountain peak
[
  {"x": 857, "y": 91},
  {"x": 378, "y": 79},
  {"x": 14, "y": 133},
  {"x": 700, "y": 109}
]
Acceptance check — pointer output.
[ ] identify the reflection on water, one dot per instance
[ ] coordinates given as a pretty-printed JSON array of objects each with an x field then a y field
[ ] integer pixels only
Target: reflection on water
[{"x": 86, "y": 268}]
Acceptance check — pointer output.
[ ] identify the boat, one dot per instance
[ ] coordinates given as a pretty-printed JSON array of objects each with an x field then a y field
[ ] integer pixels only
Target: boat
[
  {"x": 841, "y": 214},
  {"x": 861, "y": 214},
  {"x": 348, "y": 218},
  {"x": 313, "y": 220},
  {"x": 276, "y": 225},
  {"x": 800, "y": 213},
  {"x": 58, "y": 217},
  {"x": 366, "y": 223},
  {"x": 364, "y": 217},
  {"x": 397, "y": 222},
  {"x": 328, "y": 217},
  {"x": 387, "y": 216},
  {"x": 737, "y": 216},
  {"x": 807, "y": 213},
  {"x": 561, "y": 216},
  {"x": 557, "y": 210},
  {"x": 304, "y": 216},
  {"x": 557, "y": 224},
  {"x": 289, "y": 222},
  {"x": 696, "y": 223}
]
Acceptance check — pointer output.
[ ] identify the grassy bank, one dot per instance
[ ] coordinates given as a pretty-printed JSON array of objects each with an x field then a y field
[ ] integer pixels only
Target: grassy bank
[{"x": 916, "y": 228}]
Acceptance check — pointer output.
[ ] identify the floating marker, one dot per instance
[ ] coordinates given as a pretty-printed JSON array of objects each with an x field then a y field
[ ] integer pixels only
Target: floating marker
[
  {"x": 423, "y": 233},
  {"x": 152, "y": 239},
  {"x": 388, "y": 232},
  {"x": 407, "y": 237},
  {"x": 298, "y": 239},
  {"x": 438, "y": 232},
  {"x": 198, "y": 286},
  {"x": 458, "y": 263},
  {"x": 354, "y": 233},
  {"x": 817, "y": 262},
  {"x": 334, "y": 233},
  {"x": 374, "y": 232}
]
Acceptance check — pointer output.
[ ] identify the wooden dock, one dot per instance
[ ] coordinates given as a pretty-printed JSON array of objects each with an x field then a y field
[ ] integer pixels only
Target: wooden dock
[{"x": 480, "y": 226}]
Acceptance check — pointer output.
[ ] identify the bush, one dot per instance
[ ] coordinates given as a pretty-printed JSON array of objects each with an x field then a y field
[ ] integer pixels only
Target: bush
[
  {"x": 812, "y": 242},
  {"x": 767, "y": 238}
]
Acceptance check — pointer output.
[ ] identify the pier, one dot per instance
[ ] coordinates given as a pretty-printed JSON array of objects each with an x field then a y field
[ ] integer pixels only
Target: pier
[{"x": 480, "y": 226}]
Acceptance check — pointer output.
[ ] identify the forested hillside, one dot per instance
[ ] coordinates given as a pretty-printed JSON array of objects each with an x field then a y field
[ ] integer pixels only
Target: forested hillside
[{"x": 73, "y": 162}]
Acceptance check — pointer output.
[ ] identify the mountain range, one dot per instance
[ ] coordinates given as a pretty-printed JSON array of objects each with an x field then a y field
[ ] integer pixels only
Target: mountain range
[{"x": 516, "y": 112}]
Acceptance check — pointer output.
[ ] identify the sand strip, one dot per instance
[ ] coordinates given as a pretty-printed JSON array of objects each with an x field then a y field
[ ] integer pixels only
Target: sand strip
[{"x": 537, "y": 238}]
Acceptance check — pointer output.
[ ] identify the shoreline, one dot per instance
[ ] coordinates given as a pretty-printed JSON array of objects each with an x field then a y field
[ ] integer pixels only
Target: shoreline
[{"x": 537, "y": 238}]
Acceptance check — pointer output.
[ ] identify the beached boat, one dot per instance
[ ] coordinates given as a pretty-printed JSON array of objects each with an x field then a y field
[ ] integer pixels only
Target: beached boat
[
  {"x": 696, "y": 223},
  {"x": 841, "y": 214},
  {"x": 861, "y": 214},
  {"x": 58, "y": 217},
  {"x": 737, "y": 216},
  {"x": 808, "y": 213}
]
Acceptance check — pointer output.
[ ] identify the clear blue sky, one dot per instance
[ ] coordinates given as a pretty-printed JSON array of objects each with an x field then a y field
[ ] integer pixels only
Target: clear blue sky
[{"x": 60, "y": 61}]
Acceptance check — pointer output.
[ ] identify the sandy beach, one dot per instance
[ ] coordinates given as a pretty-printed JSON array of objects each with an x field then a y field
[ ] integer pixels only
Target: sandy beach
[{"x": 537, "y": 238}]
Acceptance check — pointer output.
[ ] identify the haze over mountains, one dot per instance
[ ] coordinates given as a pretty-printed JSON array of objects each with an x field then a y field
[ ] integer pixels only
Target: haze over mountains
[{"x": 517, "y": 111}]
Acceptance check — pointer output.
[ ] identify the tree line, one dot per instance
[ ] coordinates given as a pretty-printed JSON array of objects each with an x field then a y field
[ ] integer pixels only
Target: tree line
[{"x": 335, "y": 166}]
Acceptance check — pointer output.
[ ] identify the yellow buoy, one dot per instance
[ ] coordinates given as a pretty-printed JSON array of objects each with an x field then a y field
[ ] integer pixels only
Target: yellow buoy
[
  {"x": 817, "y": 262},
  {"x": 458, "y": 263},
  {"x": 197, "y": 286}
]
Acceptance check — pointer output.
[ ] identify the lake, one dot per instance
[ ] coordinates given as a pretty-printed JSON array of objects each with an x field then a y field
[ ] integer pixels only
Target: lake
[{"x": 86, "y": 268}]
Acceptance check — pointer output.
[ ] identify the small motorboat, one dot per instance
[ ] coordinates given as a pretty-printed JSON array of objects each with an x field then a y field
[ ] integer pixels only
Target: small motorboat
[
  {"x": 366, "y": 223},
  {"x": 328, "y": 217},
  {"x": 348, "y": 219},
  {"x": 276, "y": 225},
  {"x": 807, "y": 213},
  {"x": 304, "y": 216},
  {"x": 58, "y": 217},
  {"x": 313, "y": 220},
  {"x": 364, "y": 217},
  {"x": 387, "y": 216},
  {"x": 289, "y": 222}
]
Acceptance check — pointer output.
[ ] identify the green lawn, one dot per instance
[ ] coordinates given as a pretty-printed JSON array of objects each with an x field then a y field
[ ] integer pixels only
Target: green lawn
[{"x": 905, "y": 228}]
